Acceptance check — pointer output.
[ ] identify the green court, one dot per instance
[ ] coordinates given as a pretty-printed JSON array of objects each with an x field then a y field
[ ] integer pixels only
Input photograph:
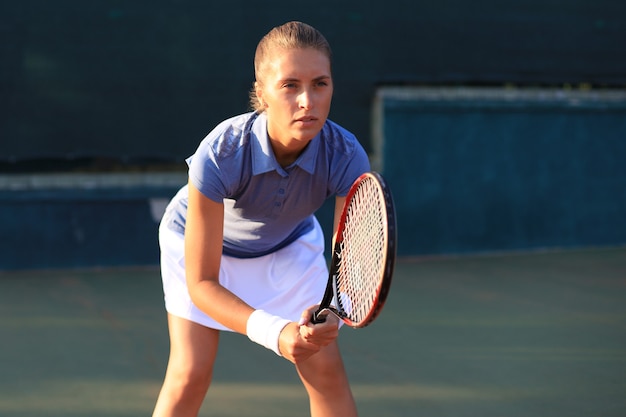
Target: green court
[{"x": 529, "y": 334}]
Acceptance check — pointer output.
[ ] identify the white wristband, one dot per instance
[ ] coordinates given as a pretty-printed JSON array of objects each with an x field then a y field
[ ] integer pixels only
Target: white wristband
[{"x": 264, "y": 329}]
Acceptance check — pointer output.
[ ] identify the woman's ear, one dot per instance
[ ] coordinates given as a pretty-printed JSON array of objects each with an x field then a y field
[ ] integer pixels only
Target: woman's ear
[
  {"x": 257, "y": 87},
  {"x": 259, "y": 93}
]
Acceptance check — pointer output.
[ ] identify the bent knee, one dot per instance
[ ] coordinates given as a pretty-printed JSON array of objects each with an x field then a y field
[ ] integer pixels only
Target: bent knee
[
  {"x": 324, "y": 368},
  {"x": 182, "y": 392},
  {"x": 188, "y": 379}
]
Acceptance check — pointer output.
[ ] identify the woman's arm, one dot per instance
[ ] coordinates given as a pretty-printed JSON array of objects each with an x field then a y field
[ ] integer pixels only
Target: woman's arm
[{"x": 204, "y": 232}]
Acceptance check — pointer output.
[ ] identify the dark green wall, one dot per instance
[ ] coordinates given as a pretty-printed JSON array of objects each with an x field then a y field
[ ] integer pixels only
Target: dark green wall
[{"x": 142, "y": 80}]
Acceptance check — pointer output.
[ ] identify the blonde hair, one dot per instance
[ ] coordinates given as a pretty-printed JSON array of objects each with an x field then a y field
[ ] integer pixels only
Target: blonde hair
[{"x": 291, "y": 35}]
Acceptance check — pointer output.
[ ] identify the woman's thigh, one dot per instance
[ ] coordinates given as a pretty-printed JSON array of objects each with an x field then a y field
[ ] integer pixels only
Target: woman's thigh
[
  {"x": 324, "y": 370},
  {"x": 189, "y": 370},
  {"x": 326, "y": 382},
  {"x": 193, "y": 349}
]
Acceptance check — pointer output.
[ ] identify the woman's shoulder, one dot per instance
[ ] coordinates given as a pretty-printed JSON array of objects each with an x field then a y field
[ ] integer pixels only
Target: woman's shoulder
[
  {"x": 224, "y": 144},
  {"x": 231, "y": 134},
  {"x": 339, "y": 138}
]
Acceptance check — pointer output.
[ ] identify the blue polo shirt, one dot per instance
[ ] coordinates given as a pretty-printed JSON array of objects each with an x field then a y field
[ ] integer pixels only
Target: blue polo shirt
[{"x": 267, "y": 206}]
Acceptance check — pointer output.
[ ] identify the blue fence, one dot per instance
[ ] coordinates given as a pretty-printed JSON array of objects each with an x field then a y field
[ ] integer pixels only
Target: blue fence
[
  {"x": 65, "y": 221},
  {"x": 477, "y": 170}
]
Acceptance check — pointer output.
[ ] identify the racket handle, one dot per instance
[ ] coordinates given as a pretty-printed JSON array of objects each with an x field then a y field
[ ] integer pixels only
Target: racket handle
[{"x": 319, "y": 316}]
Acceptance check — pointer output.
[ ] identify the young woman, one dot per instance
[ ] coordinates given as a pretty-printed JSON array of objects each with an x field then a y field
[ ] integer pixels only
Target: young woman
[{"x": 240, "y": 247}]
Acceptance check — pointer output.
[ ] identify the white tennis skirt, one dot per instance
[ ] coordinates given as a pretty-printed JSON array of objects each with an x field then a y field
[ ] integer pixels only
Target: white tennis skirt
[{"x": 283, "y": 283}]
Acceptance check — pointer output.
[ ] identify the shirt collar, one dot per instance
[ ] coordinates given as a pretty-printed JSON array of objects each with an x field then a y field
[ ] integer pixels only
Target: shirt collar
[{"x": 263, "y": 159}]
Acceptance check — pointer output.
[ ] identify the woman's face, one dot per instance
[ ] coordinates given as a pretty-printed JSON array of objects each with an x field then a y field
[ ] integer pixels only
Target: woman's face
[{"x": 296, "y": 89}]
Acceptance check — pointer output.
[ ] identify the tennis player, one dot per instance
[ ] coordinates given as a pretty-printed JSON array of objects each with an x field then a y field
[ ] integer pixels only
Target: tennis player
[{"x": 241, "y": 249}]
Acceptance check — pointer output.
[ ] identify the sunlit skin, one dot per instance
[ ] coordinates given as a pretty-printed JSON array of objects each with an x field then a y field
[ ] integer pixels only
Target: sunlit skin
[{"x": 296, "y": 88}]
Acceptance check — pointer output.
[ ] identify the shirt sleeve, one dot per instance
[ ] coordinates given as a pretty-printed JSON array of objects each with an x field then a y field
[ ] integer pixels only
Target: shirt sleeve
[
  {"x": 205, "y": 174},
  {"x": 218, "y": 164},
  {"x": 349, "y": 160},
  {"x": 357, "y": 165}
]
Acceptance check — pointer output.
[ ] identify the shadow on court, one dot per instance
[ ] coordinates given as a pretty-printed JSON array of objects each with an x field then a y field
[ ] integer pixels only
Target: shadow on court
[{"x": 539, "y": 334}]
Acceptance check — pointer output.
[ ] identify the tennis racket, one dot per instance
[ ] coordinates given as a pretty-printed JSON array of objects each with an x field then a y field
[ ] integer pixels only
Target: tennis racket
[{"x": 363, "y": 255}]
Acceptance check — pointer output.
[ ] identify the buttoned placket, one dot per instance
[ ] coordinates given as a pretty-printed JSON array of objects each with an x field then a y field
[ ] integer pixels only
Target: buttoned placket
[{"x": 281, "y": 193}]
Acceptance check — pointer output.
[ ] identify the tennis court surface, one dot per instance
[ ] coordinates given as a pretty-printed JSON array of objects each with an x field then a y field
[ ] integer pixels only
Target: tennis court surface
[{"x": 533, "y": 334}]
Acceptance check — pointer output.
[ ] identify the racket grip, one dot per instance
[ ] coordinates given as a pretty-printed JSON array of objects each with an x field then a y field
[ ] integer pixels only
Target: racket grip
[{"x": 319, "y": 317}]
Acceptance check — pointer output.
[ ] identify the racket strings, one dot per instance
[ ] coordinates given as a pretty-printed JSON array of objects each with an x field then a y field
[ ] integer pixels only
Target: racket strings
[{"x": 362, "y": 254}]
